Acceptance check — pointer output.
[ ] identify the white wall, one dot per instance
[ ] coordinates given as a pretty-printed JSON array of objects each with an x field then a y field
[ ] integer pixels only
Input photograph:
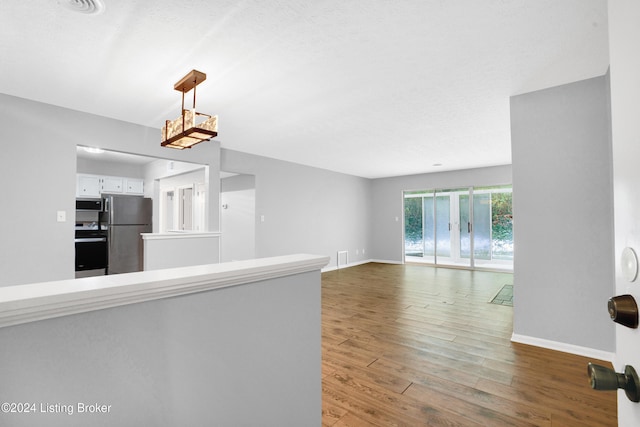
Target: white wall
[
  {"x": 563, "y": 215},
  {"x": 624, "y": 33},
  {"x": 184, "y": 179},
  {"x": 238, "y": 218},
  {"x": 38, "y": 144},
  {"x": 388, "y": 204},
  {"x": 169, "y": 250},
  {"x": 305, "y": 209},
  {"x": 99, "y": 167}
]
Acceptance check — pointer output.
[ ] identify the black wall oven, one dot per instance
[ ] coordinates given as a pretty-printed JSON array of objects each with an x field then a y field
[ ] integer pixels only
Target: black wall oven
[{"x": 91, "y": 250}]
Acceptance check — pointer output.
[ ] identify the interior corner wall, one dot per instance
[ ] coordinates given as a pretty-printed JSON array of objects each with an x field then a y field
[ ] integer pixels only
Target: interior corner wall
[
  {"x": 563, "y": 214},
  {"x": 301, "y": 209},
  {"x": 388, "y": 202},
  {"x": 39, "y": 174}
]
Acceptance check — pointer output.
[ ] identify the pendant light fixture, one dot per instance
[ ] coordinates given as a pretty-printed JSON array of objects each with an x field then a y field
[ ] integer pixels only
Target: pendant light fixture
[{"x": 185, "y": 131}]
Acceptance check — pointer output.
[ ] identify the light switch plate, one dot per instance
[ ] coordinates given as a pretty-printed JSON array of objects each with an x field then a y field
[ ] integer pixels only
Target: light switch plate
[{"x": 62, "y": 216}]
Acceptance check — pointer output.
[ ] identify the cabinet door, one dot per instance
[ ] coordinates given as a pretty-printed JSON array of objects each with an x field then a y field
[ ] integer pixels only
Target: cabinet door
[
  {"x": 134, "y": 186},
  {"x": 88, "y": 186},
  {"x": 111, "y": 184}
]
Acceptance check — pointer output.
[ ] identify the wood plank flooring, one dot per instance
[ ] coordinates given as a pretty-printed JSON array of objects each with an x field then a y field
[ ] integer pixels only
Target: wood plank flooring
[{"x": 411, "y": 345}]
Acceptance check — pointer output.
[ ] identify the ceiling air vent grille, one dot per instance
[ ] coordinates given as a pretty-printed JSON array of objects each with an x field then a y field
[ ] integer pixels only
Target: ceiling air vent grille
[{"x": 90, "y": 7}]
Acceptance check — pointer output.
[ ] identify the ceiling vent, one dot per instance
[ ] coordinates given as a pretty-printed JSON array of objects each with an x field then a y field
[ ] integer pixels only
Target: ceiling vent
[{"x": 90, "y": 7}]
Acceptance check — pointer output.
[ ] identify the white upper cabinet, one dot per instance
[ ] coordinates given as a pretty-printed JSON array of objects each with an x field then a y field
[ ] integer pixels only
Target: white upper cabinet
[
  {"x": 88, "y": 186},
  {"x": 134, "y": 186},
  {"x": 112, "y": 184},
  {"x": 95, "y": 185}
]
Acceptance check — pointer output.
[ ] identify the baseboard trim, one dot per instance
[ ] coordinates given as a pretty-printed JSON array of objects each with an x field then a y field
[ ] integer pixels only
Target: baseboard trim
[
  {"x": 564, "y": 347},
  {"x": 386, "y": 261},
  {"x": 351, "y": 264}
]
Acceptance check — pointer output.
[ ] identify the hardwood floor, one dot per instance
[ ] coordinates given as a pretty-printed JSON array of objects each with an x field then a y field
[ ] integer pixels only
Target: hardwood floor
[{"x": 413, "y": 345}]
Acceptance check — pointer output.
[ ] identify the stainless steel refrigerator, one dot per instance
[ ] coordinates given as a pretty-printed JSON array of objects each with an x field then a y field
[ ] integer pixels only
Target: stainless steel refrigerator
[{"x": 126, "y": 218}]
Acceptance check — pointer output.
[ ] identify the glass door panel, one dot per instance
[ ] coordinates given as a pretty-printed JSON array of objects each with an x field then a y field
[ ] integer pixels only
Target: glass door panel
[
  {"x": 443, "y": 226},
  {"x": 502, "y": 226},
  {"x": 500, "y": 221},
  {"x": 465, "y": 226},
  {"x": 481, "y": 226},
  {"x": 429, "y": 239},
  {"x": 413, "y": 227}
]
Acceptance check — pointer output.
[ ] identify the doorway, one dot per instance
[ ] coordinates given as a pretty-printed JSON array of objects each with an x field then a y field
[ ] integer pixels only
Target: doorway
[
  {"x": 460, "y": 227},
  {"x": 238, "y": 217}
]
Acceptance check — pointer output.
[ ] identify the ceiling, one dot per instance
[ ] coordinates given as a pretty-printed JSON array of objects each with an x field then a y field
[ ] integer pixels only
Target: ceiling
[
  {"x": 89, "y": 153},
  {"x": 372, "y": 88}
]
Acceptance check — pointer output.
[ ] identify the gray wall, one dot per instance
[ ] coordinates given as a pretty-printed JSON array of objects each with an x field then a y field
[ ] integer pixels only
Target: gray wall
[
  {"x": 562, "y": 196},
  {"x": 305, "y": 209},
  {"x": 388, "y": 205},
  {"x": 38, "y": 171},
  {"x": 247, "y": 355}
]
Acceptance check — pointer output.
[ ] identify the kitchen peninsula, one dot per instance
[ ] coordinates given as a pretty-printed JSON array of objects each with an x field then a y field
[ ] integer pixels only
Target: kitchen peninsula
[{"x": 180, "y": 249}]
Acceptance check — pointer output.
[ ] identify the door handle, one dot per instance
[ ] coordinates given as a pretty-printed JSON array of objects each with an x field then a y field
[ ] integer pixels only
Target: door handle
[
  {"x": 603, "y": 378},
  {"x": 623, "y": 310},
  {"x": 469, "y": 227}
]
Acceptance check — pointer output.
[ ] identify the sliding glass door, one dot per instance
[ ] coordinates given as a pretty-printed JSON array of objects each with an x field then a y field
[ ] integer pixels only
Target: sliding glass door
[{"x": 464, "y": 227}]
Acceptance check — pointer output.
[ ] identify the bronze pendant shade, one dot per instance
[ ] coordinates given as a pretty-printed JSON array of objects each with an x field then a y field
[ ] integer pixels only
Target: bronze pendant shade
[{"x": 186, "y": 131}]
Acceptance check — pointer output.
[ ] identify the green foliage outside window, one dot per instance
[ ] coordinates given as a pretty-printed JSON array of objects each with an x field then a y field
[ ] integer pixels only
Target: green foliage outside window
[
  {"x": 502, "y": 217},
  {"x": 413, "y": 219}
]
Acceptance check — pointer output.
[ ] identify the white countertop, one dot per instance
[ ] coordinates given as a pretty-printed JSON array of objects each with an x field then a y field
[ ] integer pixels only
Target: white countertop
[{"x": 39, "y": 301}]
